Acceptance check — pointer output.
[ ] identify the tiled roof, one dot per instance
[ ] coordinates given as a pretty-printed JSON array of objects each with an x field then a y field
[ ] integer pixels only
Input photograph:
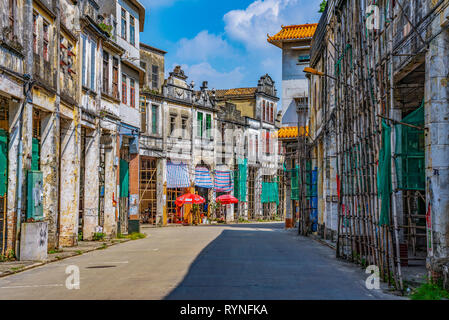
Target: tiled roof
[
  {"x": 295, "y": 32},
  {"x": 235, "y": 92},
  {"x": 291, "y": 132}
]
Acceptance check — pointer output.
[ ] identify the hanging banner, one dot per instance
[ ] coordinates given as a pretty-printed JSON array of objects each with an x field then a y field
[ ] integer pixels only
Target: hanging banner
[
  {"x": 203, "y": 178},
  {"x": 223, "y": 181},
  {"x": 177, "y": 176}
]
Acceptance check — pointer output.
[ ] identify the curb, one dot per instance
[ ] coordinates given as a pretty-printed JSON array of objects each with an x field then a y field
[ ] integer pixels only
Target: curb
[{"x": 74, "y": 254}]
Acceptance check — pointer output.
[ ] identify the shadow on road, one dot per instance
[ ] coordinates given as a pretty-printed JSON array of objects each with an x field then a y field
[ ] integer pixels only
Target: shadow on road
[{"x": 265, "y": 262}]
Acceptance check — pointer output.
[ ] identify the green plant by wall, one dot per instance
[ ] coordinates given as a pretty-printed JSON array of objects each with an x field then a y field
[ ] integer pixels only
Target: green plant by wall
[
  {"x": 430, "y": 291},
  {"x": 9, "y": 256},
  {"x": 106, "y": 28},
  {"x": 99, "y": 236}
]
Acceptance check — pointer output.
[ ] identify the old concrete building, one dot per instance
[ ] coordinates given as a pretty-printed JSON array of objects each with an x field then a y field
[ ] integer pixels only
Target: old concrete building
[
  {"x": 65, "y": 138},
  {"x": 129, "y": 19},
  {"x": 294, "y": 41}
]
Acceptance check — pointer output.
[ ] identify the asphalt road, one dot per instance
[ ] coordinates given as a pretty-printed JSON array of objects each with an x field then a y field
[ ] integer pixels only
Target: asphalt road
[{"x": 249, "y": 262}]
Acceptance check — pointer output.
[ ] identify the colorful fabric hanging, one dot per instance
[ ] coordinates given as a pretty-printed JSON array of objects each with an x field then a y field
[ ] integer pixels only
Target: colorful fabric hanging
[
  {"x": 177, "y": 176},
  {"x": 203, "y": 178},
  {"x": 223, "y": 181}
]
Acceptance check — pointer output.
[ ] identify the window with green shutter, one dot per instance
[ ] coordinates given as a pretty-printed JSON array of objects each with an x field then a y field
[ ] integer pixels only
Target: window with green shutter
[
  {"x": 154, "y": 119},
  {"x": 200, "y": 124},
  {"x": 35, "y": 155},
  {"x": 208, "y": 126}
]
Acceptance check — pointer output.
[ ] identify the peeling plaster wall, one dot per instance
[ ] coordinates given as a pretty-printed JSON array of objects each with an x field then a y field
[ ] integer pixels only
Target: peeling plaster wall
[
  {"x": 91, "y": 184},
  {"x": 110, "y": 192},
  {"x": 49, "y": 166},
  {"x": 437, "y": 139},
  {"x": 69, "y": 191}
]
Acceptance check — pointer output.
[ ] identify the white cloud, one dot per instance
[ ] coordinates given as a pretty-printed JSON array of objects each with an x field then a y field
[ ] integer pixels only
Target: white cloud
[
  {"x": 262, "y": 17},
  {"x": 202, "y": 47},
  {"x": 205, "y": 72}
]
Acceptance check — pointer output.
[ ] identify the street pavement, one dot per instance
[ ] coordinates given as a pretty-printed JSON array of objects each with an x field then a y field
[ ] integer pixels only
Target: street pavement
[{"x": 245, "y": 261}]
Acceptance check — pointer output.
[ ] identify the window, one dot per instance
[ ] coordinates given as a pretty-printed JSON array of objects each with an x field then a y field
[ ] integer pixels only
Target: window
[
  {"x": 155, "y": 77},
  {"x": 200, "y": 125},
  {"x": 143, "y": 115},
  {"x": 271, "y": 113},
  {"x": 250, "y": 147},
  {"x": 12, "y": 8},
  {"x": 124, "y": 27},
  {"x": 45, "y": 37},
  {"x": 154, "y": 119},
  {"x": 172, "y": 124},
  {"x": 35, "y": 33},
  {"x": 84, "y": 73},
  {"x": 267, "y": 113},
  {"x": 93, "y": 51},
  {"x": 124, "y": 90},
  {"x": 132, "y": 96},
  {"x": 257, "y": 147},
  {"x": 105, "y": 72},
  {"x": 115, "y": 78},
  {"x": 268, "y": 142},
  {"x": 184, "y": 127},
  {"x": 208, "y": 126},
  {"x": 132, "y": 30},
  {"x": 263, "y": 110}
]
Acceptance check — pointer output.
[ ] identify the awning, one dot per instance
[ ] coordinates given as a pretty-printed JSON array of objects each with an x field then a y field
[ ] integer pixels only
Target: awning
[
  {"x": 203, "y": 178},
  {"x": 223, "y": 181},
  {"x": 177, "y": 176}
]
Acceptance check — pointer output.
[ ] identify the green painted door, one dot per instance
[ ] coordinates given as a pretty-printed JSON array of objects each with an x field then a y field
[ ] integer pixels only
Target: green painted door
[
  {"x": 124, "y": 178},
  {"x": 3, "y": 187},
  {"x": 3, "y": 162}
]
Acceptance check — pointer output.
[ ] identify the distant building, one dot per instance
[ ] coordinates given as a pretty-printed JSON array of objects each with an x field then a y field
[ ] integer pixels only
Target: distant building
[{"x": 295, "y": 44}]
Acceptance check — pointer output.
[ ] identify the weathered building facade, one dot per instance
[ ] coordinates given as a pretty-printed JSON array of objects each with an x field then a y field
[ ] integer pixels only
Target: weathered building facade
[
  {"x": 61, "y": 119},
  {"x": 378, "y": 130},
  {"x": 295, "y": 43}
]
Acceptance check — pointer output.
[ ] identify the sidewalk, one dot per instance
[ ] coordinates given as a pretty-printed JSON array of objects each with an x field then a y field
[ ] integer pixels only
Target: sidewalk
[
  {"x": 10, "y": 267},
  {"x": 413, "y": 276}
]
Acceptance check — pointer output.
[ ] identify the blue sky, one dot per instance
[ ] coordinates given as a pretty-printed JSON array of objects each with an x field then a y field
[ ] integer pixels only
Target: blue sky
[{"x": 223, "y": 42}]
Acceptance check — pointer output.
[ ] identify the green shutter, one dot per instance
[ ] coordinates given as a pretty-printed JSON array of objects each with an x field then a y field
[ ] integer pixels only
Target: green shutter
[
  {"x": 208, "y": 125},
  {"x": 154, "y": 119},
  {"x": 3, "y": 163},
  {"x": 35, "y": 155},
  {"x": 200, "y": 124},
  {"x": 124, "y": 178}
]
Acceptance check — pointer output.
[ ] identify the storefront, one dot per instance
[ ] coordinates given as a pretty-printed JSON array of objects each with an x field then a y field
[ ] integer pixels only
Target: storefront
[{"x": 129, "y": 184}]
